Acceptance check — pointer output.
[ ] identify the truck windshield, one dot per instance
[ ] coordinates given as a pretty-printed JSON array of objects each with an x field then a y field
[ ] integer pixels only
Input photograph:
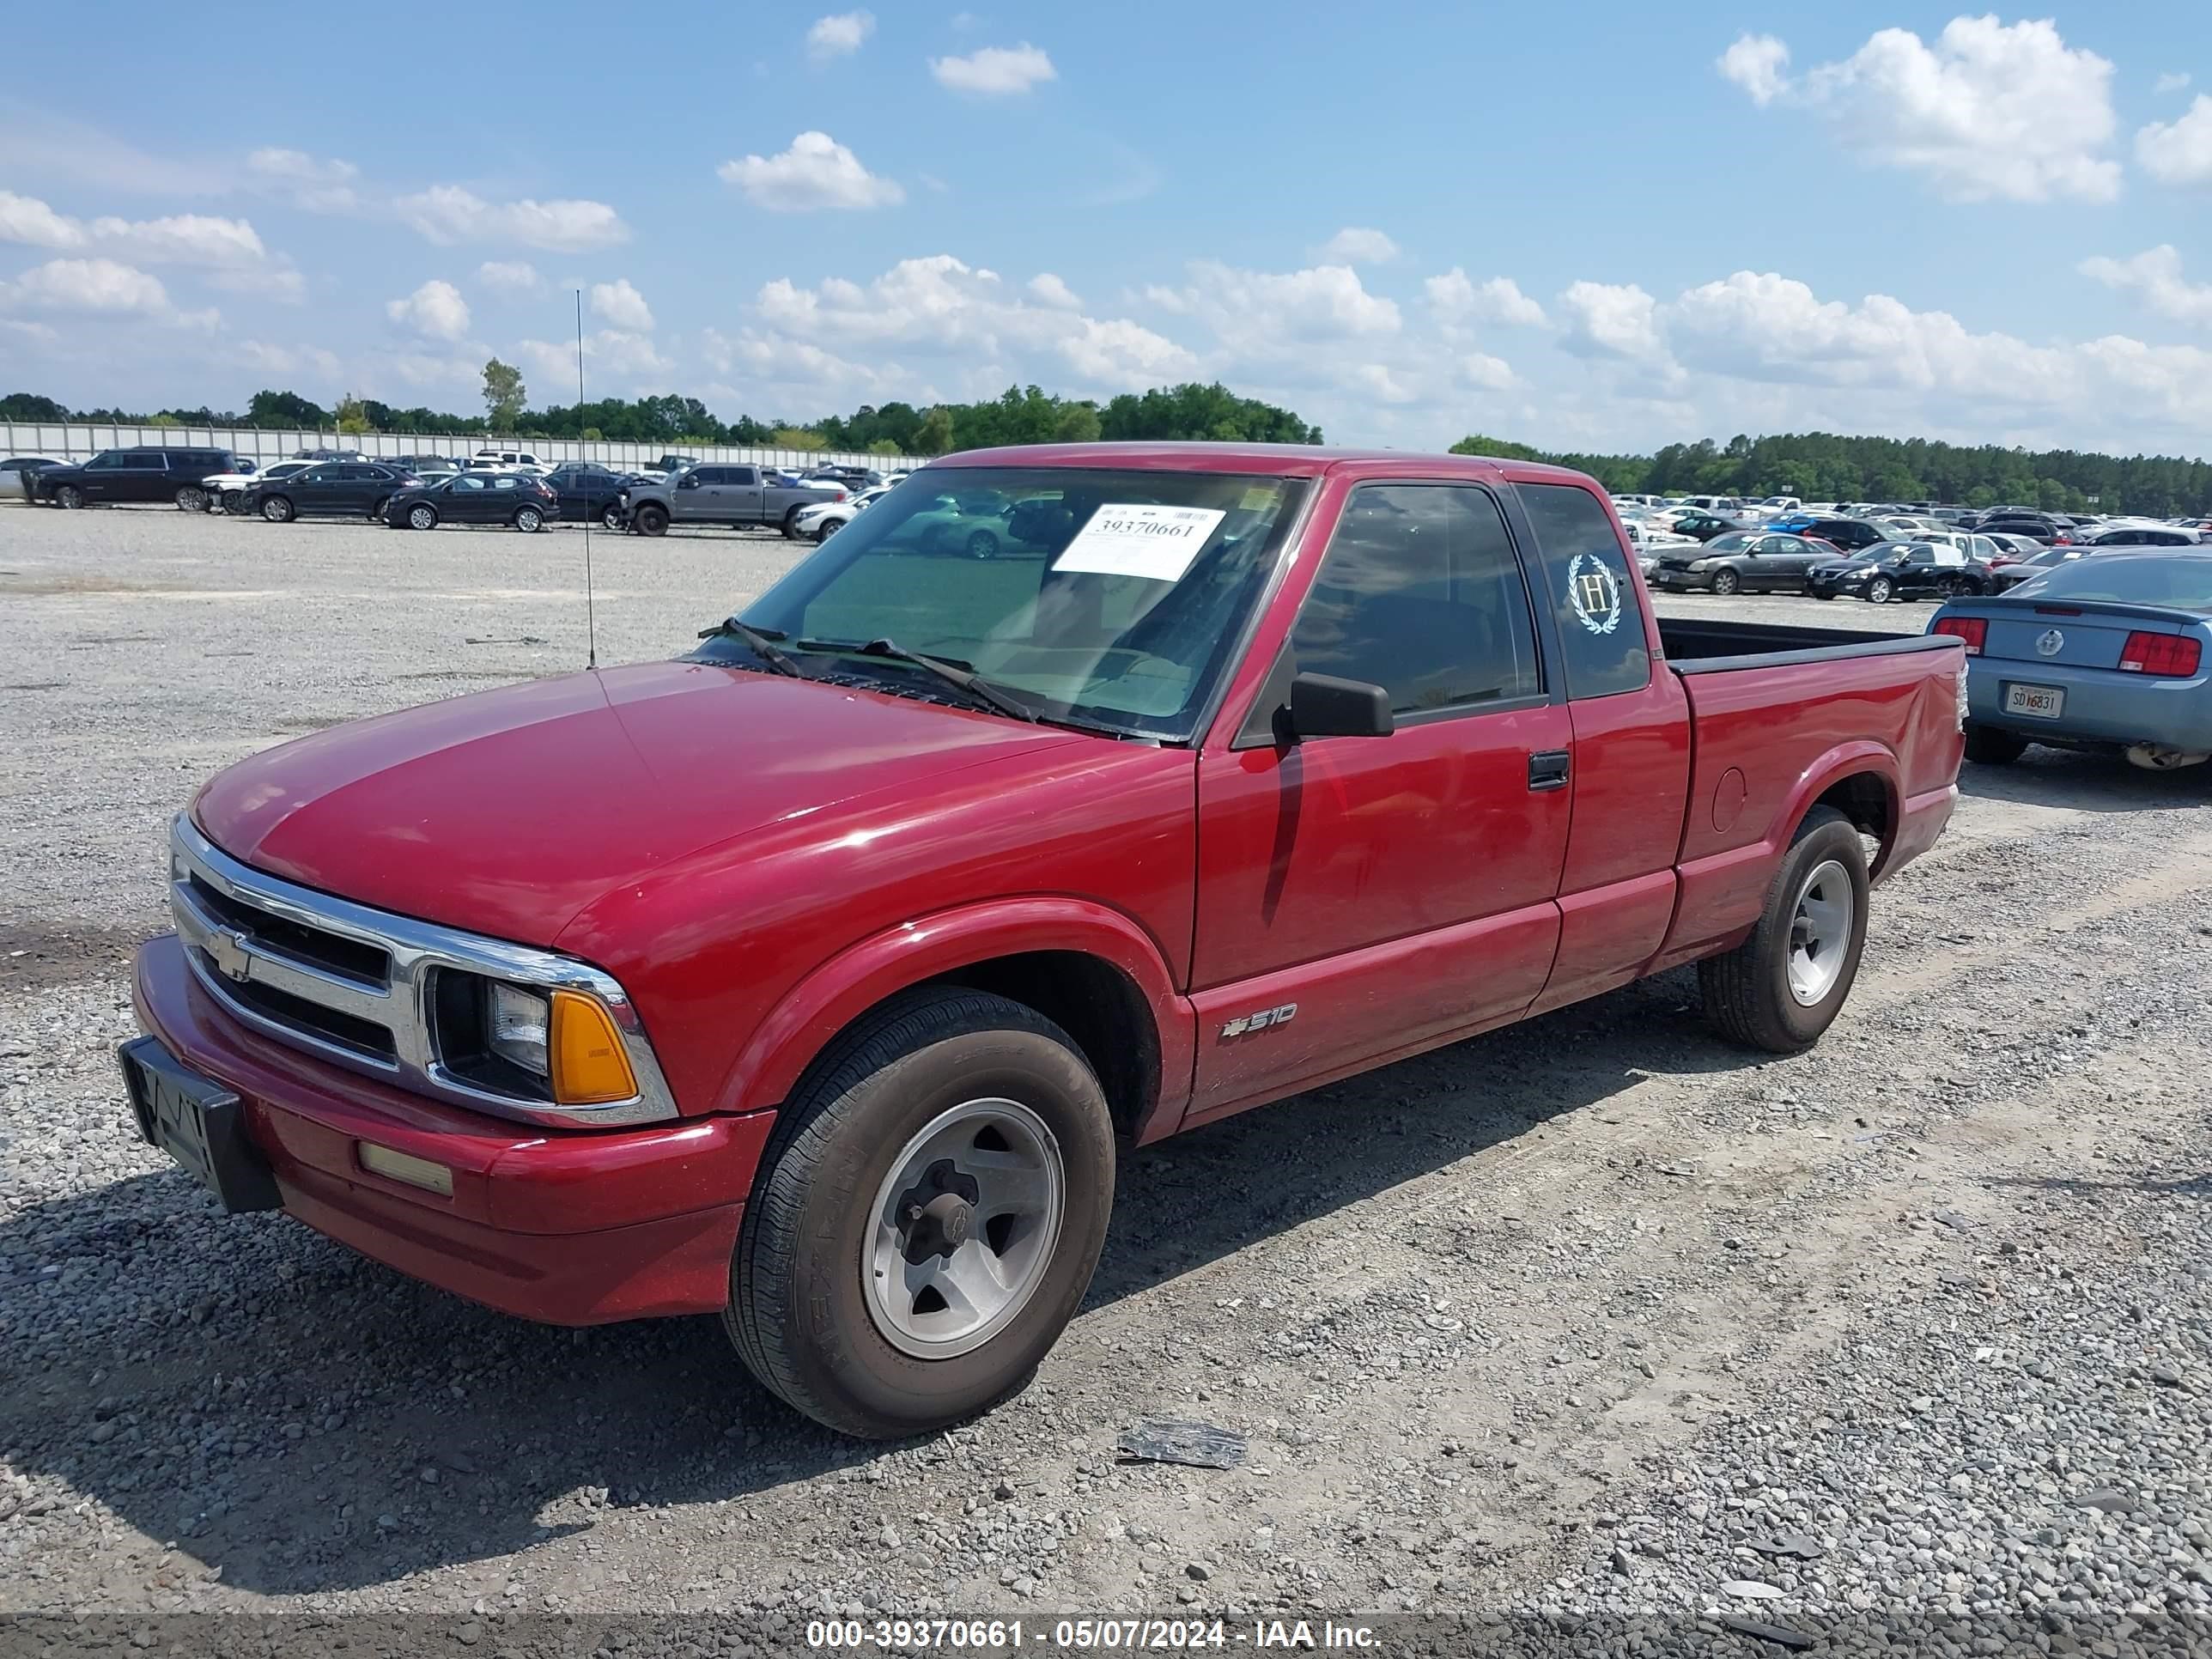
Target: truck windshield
[{"x": 1111, "y": 597}]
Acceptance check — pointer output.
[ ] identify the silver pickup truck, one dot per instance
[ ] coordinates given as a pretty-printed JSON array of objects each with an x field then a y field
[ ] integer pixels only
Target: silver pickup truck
[{"x": 714, "y": 493}]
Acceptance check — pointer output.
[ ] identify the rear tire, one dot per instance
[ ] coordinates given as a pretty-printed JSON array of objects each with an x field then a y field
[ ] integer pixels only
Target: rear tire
[
  {"x": 1988, "y": 746},
  {"x": 981, "y": 544},
  {"x": 529, "y": 520},
  {"x": 610, "y": 518},
  {"x": 791, "y": 524},
  {"x": 1783, "y": 987},
  {"x": 191, "y": 499},
  {"x": 651, "y": 521},
  {"x": 812, "y": 1308}
]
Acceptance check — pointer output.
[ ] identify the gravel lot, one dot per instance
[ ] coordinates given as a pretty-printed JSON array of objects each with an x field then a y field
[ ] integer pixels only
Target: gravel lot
[{"x": 1593, "y": 1324}]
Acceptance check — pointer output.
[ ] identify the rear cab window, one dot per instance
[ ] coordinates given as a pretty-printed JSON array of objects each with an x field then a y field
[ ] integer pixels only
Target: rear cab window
[{"x": 1603, "y": 648}]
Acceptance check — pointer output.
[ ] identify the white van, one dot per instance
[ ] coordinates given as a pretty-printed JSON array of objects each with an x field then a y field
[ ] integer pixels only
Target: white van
[{"x": 502, "y": 460}]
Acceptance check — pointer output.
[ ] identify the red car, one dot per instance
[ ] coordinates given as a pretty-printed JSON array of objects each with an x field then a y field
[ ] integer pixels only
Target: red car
[{"x": 816, "y": 979}]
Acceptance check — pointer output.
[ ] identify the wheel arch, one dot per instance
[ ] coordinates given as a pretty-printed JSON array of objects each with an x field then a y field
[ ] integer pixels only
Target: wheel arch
[
  {"x": 1861, "y": 782},
  {"x": 1089, "y": 969}
]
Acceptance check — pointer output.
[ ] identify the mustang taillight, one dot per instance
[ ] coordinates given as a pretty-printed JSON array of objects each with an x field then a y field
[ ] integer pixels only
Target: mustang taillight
[
  {"x": 1972, "y": 630},
  {"x": 2172, "y": 655}
]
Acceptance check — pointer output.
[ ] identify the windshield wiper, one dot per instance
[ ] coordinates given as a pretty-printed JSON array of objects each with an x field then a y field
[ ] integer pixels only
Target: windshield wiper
[
  {"x": 762, "y": 640},
  {"x": 954, "y": 674}
]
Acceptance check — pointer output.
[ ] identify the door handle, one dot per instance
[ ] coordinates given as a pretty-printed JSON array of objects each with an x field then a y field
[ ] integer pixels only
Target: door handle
[{"x": 1547, "y": 769}]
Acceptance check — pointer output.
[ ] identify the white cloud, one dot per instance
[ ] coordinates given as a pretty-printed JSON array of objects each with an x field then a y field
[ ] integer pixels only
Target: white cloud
[
  {"x": 1270, "y": 313},
  {"x": 1454, "y": 297},
  {"x": 1485, "y": 373},
  {"x": 435, "y": 310},
  {"x": 622, "y": 305},
  {"x": 1991, "y": 111},
  {"x": 1357, "y": 245},
  {"x": 1047, "y": 289},
  {"x": 509, "y": 275},
  {"x": 281, "y": 282},
  {"x": 816, "y": 172},
  {"x": 2173, "y": 81},
  {"x": 995, "y": 71},
  {"x": 946, "y": 307},
  {"x": 26, "y": 219},
  {"x": 1759, "y": 63},
  {"x": 837, "y": 35},
  {"x": 622, "y": 355},
  {"x": 272, "y": 359},
  {"x": 321, "y": 184},
  {"x": 2155, "y": 274},
  {"x": 103, "y": 286},
  {"x": 2180, "y": 152},
  {"x": 187, "y": 239},
  {"x": 1609, "y": 319},
  {"x": 447, "y": 214}
]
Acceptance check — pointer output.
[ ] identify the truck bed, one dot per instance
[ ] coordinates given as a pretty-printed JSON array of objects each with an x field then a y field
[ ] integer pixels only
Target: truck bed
[
  {"x": 1776, "y": 714},
  {"x": 1697, "y": 646}
]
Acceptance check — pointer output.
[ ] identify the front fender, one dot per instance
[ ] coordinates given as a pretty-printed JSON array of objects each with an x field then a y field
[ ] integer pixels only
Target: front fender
[{"x": 859, "y": 977}]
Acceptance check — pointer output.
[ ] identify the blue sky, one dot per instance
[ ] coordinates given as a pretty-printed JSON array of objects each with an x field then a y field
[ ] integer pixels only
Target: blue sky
[{"x": 1606, "y": 225}]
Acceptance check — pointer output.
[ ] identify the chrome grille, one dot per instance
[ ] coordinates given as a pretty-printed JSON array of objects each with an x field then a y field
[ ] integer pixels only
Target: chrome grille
[{"x": 357, "y": 986}]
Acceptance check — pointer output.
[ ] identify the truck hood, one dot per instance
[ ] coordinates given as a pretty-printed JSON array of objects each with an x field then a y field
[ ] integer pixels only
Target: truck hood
[{"x": 508, "y": 811}]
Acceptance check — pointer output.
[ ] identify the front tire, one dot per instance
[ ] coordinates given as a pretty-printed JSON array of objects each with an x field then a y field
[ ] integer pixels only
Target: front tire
[
  {"x": 1878, "y": 591},
  {"x": 1725, "y": 583},
  {"x": 423, "y": 516},
  {"x": 931, "y": 1209},
  {"x": 610, "y": 518},
  {"x": 981, "y": 544},
  {"x": 1783, "y": 987},
  {"x": 1988, "y": 746},
  {"x": 826, "y": 529},
  {"x": 651, "y": 521},
  {"x": 277, "y": 510},
  {"x": 69, "y": 497}
]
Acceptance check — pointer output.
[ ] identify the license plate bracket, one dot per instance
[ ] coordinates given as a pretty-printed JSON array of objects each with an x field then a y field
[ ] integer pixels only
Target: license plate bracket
[
  {"x": 200, "y": 1124},
  {"x": 2042, "y": 702}
]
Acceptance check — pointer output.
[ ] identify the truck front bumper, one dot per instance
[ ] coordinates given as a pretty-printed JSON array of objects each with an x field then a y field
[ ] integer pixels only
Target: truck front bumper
[{"x": 568, "y": 1227}]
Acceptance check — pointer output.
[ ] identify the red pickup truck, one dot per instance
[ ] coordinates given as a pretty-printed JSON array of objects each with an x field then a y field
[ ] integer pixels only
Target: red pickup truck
[{"x": 815, "y": 978}]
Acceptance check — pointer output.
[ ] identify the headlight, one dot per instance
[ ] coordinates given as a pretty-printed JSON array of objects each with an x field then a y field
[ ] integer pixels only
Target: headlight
[
  {"x": 1701, "y": 564},
  {"x": 515, "y": 1039},
  {"x": 518, "y": 1026}
]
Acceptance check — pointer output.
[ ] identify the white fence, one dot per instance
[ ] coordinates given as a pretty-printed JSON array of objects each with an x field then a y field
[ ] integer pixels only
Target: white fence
[{"x": 80, "y": 440}]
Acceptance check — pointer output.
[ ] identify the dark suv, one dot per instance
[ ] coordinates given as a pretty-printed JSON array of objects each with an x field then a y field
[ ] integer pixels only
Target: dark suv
[
  {"x": 2041, "y": 525},
  {"x": 1852, "y": 535},
  {"x": 135, "y": 474}
]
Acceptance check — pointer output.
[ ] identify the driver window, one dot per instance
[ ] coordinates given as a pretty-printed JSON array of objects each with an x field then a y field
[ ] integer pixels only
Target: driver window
[{"x": 1420, "y": 593}]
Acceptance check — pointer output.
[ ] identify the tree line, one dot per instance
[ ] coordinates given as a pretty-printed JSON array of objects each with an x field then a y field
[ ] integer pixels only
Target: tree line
[
  {"x": 1020, "y": 415},
  {"x": 1827, "y": 466}
]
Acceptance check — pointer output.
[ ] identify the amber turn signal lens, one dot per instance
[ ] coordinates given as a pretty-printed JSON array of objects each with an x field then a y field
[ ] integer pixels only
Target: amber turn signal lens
[{"x": 590, "y": 1066}]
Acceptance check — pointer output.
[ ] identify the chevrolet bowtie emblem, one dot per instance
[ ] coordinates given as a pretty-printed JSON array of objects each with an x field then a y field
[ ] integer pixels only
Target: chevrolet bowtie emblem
[{"x": 232, "y": 957}]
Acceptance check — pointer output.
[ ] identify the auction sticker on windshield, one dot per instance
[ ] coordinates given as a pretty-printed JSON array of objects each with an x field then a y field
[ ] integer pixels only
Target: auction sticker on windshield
[{"x": 1155, "y": 542}]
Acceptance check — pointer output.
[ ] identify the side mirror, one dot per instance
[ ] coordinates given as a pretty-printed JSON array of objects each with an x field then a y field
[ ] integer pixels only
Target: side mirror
[
  {"x": 687, "y": 481},
  {"x": 1323, "y": 705}
]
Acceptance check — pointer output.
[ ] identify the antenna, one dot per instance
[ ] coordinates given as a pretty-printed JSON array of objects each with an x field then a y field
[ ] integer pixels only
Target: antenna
[{"x": 590, "y": 615}]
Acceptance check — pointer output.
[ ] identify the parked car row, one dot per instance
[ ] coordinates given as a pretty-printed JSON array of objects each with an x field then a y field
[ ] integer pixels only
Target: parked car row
[
  {"x": 421, "y": 492},
  {"x": 1691, "y": 547}
]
